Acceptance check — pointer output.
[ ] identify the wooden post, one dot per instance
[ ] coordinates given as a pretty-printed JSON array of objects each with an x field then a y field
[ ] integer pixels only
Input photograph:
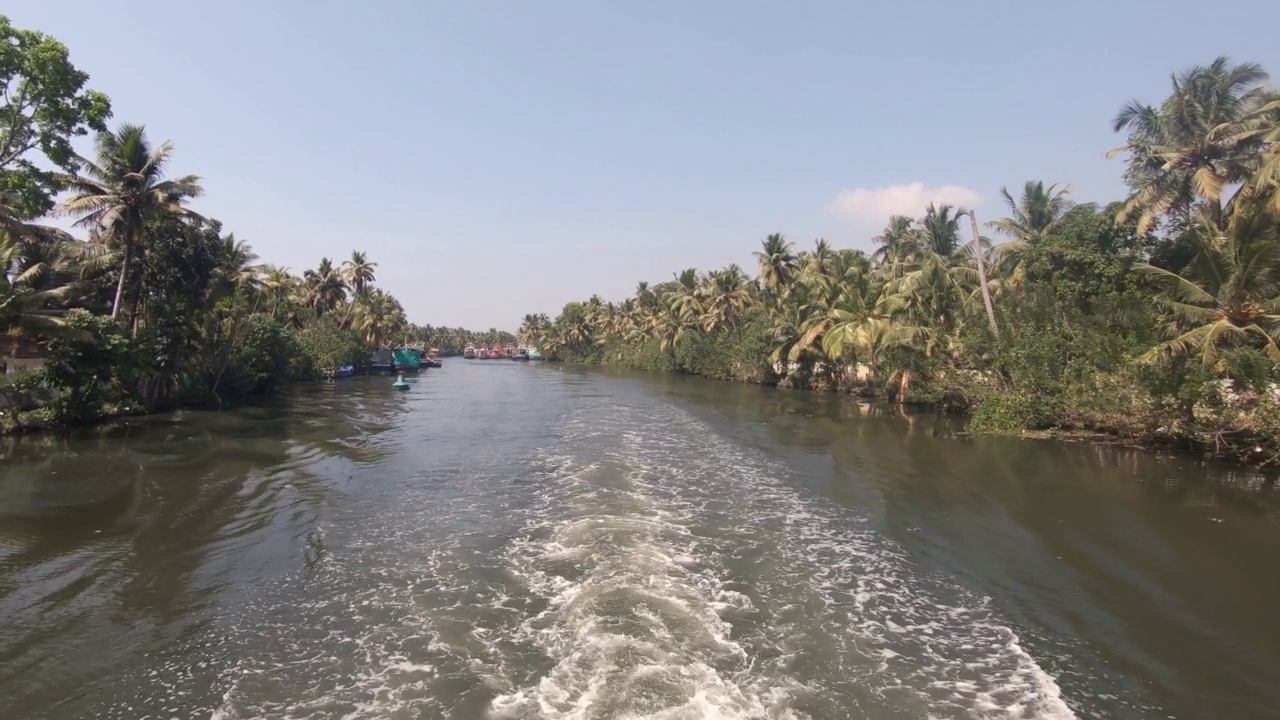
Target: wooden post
[{"x": 982, "y": 275}]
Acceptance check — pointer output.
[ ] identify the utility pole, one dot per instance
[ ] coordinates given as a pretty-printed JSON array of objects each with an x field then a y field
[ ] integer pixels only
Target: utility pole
[{"x": 982, "y": 274}]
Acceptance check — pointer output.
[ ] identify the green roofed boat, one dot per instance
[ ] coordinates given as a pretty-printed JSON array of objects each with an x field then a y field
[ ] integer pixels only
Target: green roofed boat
[{"x": 407, "y": 360}]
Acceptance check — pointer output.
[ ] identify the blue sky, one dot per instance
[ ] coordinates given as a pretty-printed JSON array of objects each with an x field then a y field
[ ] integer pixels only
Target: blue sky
[{"x": 499, "y": 158}]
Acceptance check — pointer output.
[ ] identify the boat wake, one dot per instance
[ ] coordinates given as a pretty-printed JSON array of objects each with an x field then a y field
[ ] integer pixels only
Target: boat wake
[
  {"x": 649, "y": 568},
  {"x": 684, "y": 579}
]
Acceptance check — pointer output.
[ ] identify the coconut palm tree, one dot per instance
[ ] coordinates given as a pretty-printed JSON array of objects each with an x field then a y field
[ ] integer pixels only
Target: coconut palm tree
[
  {"x": 819, "y": 265},
  {"x": 277, "y": 284},
  {"x": 1229, "y": 295},
  {"x": 940, "y": 231},
  {"x": 325, "y": 288},
  {"x": 725, "y": 298},
  {"x": 1264, "y": 124},
  {"x": 237, "y": 266},
  {"x": 1187, "y": 150},
  {"x": 358, "y": 272},
  {"x": 1039, "y": 212},
  {"x": 899, "y": 242},
  {"x": 378, "y": 317},
  {"x": 668, "y": 328},
  {"x": 32, "y": 296},
  {"x": 778, "y": 263},
  {"x": 685, "y": 301},
  {"x": 123, "y": 189},
  {"x": 533, "y": 330}
]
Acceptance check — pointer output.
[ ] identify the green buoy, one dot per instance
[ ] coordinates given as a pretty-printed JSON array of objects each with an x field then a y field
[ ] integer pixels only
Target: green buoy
[{"x": 400, "y": 383}]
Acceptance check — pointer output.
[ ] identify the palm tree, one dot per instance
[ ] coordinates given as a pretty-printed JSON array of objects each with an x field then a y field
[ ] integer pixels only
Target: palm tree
[
  {"x": 31, "y": 294},
  {"x": 358, "y": 271},
  {"x": 533, "y": 330},
  {"x": 778, "y": 263},
  {"x": 819, "y": 265},
  {"x": 378, "y": 317},
  {"x": 685, "y": 301},
  {"x": 899, "y": 242},
  {"x": 1264, "y": 123},
  {"x": 1193, "y": 145},
  {"x": 1038, "y": 213},
  {"x": 1229, "y": 295},
  {"x": 325, "y": 288},
  {"x": 237, "y": 268},
  {"x": 940, "y": 231},
  {"x": 726, "y": 298},
  {"x": 668, "y": 328},
  {"x": 125, "y": 188},
  {"x": 278, "y": 284}
]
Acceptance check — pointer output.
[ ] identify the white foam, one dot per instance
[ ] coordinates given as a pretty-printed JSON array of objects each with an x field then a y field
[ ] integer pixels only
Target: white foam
[
  {"x": 913, "y": 642},
  {"x": 658, "y": 571}
]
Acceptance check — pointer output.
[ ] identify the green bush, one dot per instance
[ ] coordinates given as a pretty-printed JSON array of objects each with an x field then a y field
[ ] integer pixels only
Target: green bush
[
  {"x": 705, "y": 354},
  {"x": 23, "y": 390},
  {"x": 749, "y": 354},
  {"x": 324, "y": 347},
  {"x": 94, "y": 370},
  {"x": 262, "y": 361},
  {"x": 1009, "y": 414}
]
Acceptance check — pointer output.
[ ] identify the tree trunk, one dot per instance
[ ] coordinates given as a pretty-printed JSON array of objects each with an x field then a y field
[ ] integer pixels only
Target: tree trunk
[
  {"x": 124, "y": 274},
  {"x": 982, "y": 274}
]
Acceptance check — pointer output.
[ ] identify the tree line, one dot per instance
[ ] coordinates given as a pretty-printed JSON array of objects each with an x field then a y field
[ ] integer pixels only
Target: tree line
[
  {"x": 155, "y": 305},
  {"x": 1155, "y": 317}
]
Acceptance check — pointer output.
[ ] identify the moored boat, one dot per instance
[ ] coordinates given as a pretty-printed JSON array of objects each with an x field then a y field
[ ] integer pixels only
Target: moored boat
[
  {"x": 469, "y": 353},
  {"x": 380, "y": 363},
  {"x": 536, "y": 355},
  {"x": 344, "y": 371},
  {"x": 407, "y": 360},
  {"x": 520, "y": 355},
  {"x": 482, "y": 353},
  {"x": 431, "y": 362}
]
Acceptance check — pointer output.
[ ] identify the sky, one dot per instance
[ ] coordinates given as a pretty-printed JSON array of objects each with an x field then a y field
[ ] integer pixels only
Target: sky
[{"x": 503, "y": 158}]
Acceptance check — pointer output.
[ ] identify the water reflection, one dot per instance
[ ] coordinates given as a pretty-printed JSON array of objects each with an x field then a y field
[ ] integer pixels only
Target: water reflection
[
  {"x": 354, "y": 551},
  {"x": 149, "y": 520}
]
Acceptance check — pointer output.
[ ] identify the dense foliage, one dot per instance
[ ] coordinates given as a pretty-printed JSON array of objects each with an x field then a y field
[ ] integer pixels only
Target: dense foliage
[
  {"x": 156, "y": 306},
  {"x": 1155, "y": 318}
]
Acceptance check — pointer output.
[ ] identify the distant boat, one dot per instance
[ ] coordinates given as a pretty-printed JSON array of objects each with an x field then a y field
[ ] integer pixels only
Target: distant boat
[
  {"x": 482, "y": 353},
  {"x": 469, "y": 353},
  {"x": 345, "y": 371},
  {"x": 520, "y": 355},
  {"x": 535, "y": 355}
]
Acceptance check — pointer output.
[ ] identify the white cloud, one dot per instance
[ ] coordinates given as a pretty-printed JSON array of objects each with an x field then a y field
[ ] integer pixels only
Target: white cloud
[{"x": 874, "y": 206}]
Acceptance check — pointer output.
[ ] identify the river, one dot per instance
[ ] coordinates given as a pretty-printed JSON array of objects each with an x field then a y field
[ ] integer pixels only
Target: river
[{"x": 536, "y": 541}]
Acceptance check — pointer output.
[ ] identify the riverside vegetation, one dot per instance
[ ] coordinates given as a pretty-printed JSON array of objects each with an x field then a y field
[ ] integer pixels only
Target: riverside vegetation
[
  {"x": 156, "y": 306},
  {"x": 1154, "y": 319}
]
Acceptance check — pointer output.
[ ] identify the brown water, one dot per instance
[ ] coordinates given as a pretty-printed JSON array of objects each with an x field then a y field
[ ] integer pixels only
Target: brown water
[{"x": 527, "y": 541}]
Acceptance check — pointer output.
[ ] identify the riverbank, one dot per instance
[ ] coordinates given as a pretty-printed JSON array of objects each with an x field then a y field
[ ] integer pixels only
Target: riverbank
[{"x": 1121, "y": 407}]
